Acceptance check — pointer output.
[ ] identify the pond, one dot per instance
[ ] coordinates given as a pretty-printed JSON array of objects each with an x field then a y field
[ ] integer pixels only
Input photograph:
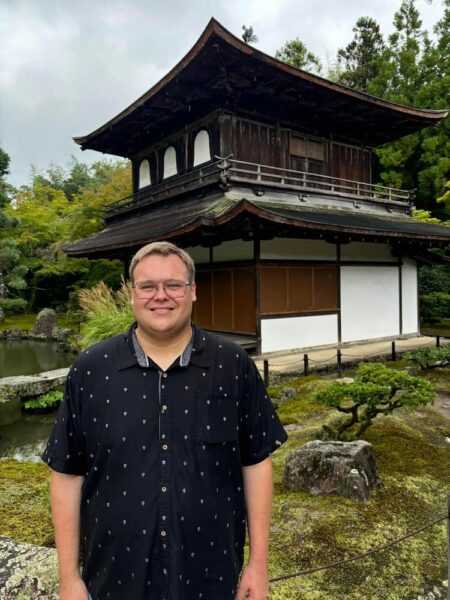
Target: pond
[
  {"x": 25, "y": 439},
  {"x": 27, "y": 357}
]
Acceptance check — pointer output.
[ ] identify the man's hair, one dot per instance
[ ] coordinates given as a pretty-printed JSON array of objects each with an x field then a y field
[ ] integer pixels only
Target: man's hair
[{"x": 163, "y": 249}]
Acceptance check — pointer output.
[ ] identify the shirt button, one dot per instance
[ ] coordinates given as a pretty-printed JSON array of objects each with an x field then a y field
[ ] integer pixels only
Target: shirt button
[
  {"x": 163, "y": 533},
  {"x": 164, "y": 489},
  {"x": 165, "y": 446},
  {"x": 164, "y": 407},
  {"x": 164, "y": 374},
  {"x": 165, "y": 571}
]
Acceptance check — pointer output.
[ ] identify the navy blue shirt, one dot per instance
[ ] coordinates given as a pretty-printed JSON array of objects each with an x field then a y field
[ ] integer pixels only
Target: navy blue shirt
[{"x": 162, "y": 508}]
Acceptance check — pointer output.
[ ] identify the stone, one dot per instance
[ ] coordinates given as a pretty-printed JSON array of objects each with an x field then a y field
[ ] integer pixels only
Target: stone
[
  {"x": 285, "y": 394},
  {"x": 2, "y": 315},
  {"x": 46, "y": 323},
  {"x": 28, "y": 572},
  {"x": 12, "y": 389},
  {"x": 329, "y": 467}
]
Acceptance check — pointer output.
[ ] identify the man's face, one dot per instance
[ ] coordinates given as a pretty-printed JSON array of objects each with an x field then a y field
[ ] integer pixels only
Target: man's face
[{"x": 163, "y": 316}]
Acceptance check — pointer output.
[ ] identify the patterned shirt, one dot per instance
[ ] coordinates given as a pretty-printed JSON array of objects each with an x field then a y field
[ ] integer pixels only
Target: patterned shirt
[{"x": 162, "y": 507}]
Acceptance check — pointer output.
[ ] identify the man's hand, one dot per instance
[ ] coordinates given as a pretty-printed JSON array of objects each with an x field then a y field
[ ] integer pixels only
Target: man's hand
[
  {"x": 73, "y": 589},
  {"x": 254, "y": 583}
]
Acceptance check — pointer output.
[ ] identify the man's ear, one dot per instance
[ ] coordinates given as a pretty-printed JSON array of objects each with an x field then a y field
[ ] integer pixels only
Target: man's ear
[{"x": 193, "y": 292}]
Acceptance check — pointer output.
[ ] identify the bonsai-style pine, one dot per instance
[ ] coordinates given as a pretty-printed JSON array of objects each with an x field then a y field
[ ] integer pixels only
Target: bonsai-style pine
[{"x": 376, "y": 390}]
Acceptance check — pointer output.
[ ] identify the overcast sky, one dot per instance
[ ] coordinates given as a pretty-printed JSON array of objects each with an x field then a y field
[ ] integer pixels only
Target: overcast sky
[{"x": 68, "y": 66}]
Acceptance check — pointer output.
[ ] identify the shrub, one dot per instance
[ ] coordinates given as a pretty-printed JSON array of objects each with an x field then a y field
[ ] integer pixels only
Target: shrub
[
  {"x": 13, "y": 306},
  {"x": 427, "y": 358},
  {"x": 434, "y": 307},
  {"x": 44, "y": 402},
  {"x": 376, "y": 390},
  {"x": 105, "y": 313}
]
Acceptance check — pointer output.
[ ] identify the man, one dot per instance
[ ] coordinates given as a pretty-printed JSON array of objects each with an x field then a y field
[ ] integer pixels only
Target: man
[{"x": 160, "y": 452}]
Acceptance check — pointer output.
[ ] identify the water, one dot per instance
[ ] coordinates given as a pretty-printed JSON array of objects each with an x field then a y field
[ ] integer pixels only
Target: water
[
  {"x": 25, "y": 439},
  {"x": 27, "y": 357}
]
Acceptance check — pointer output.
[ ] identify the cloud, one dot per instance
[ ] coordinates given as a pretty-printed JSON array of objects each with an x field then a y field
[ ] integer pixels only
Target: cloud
[{"x": 68, "y": 67}]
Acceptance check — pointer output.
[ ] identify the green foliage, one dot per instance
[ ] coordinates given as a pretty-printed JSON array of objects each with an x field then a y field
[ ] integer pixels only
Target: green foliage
[
  {"x": 427, "y": 358},
  {"x": 359, "y": 62},
  {"x": 62, "y": 205},
  {"x": 47, "y": 401},
  {"x": 434, "y": 307},
  {"x": 296, "y": 54},
  {"x": 105, "y": 313},
  {"x": 13, "y": 306},
  {"x": 376, "y": 390},
  {"x": 434, "y": 279}
]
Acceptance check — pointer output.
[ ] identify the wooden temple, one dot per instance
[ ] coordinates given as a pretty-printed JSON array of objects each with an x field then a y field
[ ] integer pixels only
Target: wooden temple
[{"x": 263, "y": 172}]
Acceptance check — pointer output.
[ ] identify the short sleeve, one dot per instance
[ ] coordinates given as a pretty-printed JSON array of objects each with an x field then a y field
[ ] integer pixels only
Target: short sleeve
[
  {"x": 261, "y": 432},
  {"x": 65, "y": 451}
]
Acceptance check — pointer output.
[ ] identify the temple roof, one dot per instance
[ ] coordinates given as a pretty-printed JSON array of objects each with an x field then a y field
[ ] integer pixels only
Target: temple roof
[
  {"x": 222, "y": 72},
  {"x": 211, "y": 220}
]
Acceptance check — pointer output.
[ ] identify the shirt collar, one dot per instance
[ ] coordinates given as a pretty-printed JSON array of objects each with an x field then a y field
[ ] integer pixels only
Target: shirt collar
[{"x": 131, "y": 353}]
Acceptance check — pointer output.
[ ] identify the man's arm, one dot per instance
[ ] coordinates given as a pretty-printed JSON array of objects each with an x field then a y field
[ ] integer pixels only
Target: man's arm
[
  {"x": 258, "y": 489},
  {"x": 65, "y": 495}
]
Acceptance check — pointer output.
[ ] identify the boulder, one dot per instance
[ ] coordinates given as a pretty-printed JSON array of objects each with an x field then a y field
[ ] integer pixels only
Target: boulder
[
  {"x": 28, "y": 572},
  {"x": 32, "y": 385},
  {"x": 46, "y": 323},
  {"x": 343, "y": 468}
]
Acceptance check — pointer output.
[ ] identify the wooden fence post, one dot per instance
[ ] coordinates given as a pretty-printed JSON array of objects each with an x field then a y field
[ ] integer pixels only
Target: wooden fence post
[
  {"x": 266, "y": 373},
  {"x": 393, "y": 353},
  {"x": 438, "y": 341},
  {"x": 339, "y": 362},
  {"x": 305, "y": 364}
]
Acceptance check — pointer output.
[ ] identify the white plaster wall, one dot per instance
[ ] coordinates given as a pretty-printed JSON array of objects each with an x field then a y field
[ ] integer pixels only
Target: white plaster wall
[
  {"x": 369, "y": 303},
  {"x": 409, "y": 297},
  {"x": 199, "y": 255},
  {"x": 288, "y": 248},
  {"x": 170, "y": 162},
  {"x": 233, "y": 250},
  {"x": 202, "y": 152},
  {"x": 367, "y": 252},
  {"x": 144, "y": 174},
  {"x": 298, "y": 332}
]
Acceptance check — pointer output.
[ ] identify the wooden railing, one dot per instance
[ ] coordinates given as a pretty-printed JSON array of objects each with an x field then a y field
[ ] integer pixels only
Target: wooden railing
[
  {"x": 170, "y": 187},
  {"x": 228, "y": 170},
  {"x": 266, "y": 175}
]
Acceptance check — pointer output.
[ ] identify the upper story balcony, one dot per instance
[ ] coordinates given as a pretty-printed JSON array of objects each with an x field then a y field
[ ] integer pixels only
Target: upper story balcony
[{"x": 228, "y": 173}]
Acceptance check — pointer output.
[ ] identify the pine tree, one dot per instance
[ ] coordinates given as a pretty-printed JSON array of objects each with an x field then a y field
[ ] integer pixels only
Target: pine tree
[
  {"x": 359, "y": 61},
  {"x": 296, "y": 54}
]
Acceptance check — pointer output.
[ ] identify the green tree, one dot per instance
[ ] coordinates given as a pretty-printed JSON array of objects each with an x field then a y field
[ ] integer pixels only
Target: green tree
[
  {"x": 376, "y": 390},
  {"x": 12, "y": 271},
  {"x": 401, "y": 76},
  {"x": 249, "y": 35},
  {"x": 59, "y": 206},
  {"x": 296, "y": 54},
  {"x": 359, "y": 62}
]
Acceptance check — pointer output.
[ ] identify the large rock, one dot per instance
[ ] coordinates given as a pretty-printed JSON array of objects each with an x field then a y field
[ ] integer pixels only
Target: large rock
[
  {"x": 27, "y": 572},
  {"x": 46, "y": 323},
  {"x": 12, "y": 389},
  {"x": 343, "y": 468}
]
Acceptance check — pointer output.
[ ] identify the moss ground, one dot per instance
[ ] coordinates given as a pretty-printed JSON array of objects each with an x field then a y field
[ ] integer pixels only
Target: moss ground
[
  {"x": 26, "y": 322},
  {"x": 24, "y": 502},
  {"x": 413, "y": 460}
]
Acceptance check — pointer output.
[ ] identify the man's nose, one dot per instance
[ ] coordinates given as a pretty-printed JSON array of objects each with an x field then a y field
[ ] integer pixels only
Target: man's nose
[{"x": 161, "y": 293}]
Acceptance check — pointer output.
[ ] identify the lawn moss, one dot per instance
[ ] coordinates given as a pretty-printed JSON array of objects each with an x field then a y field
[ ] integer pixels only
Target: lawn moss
[{"x": 24, "y": 502}]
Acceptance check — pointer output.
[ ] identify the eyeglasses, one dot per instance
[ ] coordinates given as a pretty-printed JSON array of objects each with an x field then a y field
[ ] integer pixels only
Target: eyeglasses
[{"x": 174, "y": 288}]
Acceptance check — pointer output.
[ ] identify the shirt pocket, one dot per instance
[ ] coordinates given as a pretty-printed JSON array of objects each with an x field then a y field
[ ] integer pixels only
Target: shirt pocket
[{"x": 216, "y": 422}]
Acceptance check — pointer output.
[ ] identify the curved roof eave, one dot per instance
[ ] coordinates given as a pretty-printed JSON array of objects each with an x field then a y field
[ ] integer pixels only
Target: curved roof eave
[{"x": 215, "y": 28}]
